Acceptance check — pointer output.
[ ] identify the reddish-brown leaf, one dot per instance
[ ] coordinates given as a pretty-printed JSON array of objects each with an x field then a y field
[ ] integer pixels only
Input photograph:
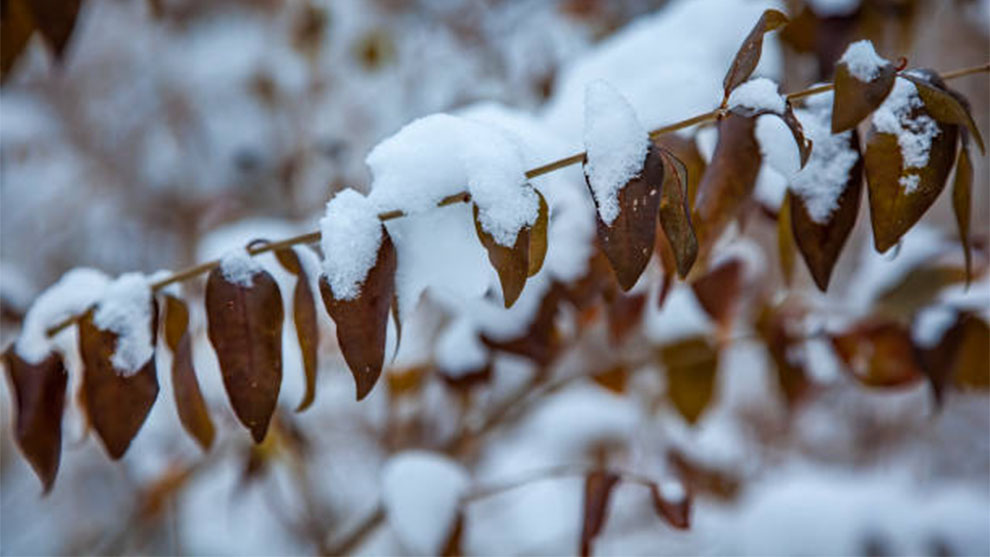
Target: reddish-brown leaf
[
  {"x": 942, "y": 104},
  {"x": 16, "y": 27},
  {"x": 244, "y": 324},
  {"x": 879, "y": 354},
  {"x": 56, "y": 20},
  {"x": 598, "y": 486},
  {"x": 718, "y": 291},
  {"x": 894, "y": 210},
  {"x": 692, "y": 365},
  {"x": 363, "y": 321},
  {"x": 962, "y": 187},
  {"x": 625, "y": 312},
  {"x": 193, "y": 412},
  {"x": 304, "y": 314},
  {"x": 821, "y": 244},
  {"x": 675, "y": 214},
  {"x": 792, "y": 377},
  {"x": 39, "y": 402},
  {"x": 511, "y": 263},
  {"x": 749, "y": 52},
  {"x": 960, "y": 357},
  {"x": 538, "y": 237},
  {"x": 453, "y": 546},
  {"x": 614, "y": 379},
  {"x": 676, "y": 513},
  {"x": 540, "y": 343},
  {"x": 854, "y": 99},
  {"x": 728, "y": 182},
  {"x": 685, "y": 150},
  {"x": 628, "y": 241},
  {"x": 116, "y": 405}
]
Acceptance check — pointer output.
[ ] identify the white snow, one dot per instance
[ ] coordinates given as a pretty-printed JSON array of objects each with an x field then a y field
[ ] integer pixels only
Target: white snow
[
  {"x": 73, "y": 294},
  {"x": 931, "y": 323},
  {"x": 823, "y": 179},
  {"x": 616, "y": 144},
  {"x": 832, "y": 8},
  {"x": 863, "y": 61},
  {"x": 421, "y": 492},
  {"x": 441, "y": 155},
  {"x": 672, "y": 491},
  {"x": 350, "y": 235},
  {"x": 681, "y": 317},
  {"x": 758, "y": 94},
  {"x": 239, "y": 267},
  {"x": 914, "y": 135},
  {"x": 909, "y": 182},
  {"x": 125, "y": 309},
  {"x": 459, "y": 350}
]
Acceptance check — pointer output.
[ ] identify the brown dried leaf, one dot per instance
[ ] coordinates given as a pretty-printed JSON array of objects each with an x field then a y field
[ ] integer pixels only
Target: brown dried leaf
[
  {"x": 56, "y": 20},
  {"x": 613, "y": 379},
  {"x": 116, "y": 405},
  {"x": 362, "y": 323},
  {"x": 453, "y": 546},
  {"x": 972, "y": 366},
  {"x": 917, "y": 289},
  {"x": 675, "y": 214},
  {"x": 16, "y": 27},
  {"x": 193, "y": 412},
  {"x": 894, "y": 210},
  {"x": 39, "y": 403},
  {"x": 786, "y": 247},
  {"x": 540, "y": 343},
  {"x": 511, "y": 263},
  {"x": 718, "y": 291},
  {"x": 728, "y": 182},
  {"x": 598, "y": 486},
  {"x": 792, "y": 377},
  {"x": 797, "y": 130},
  {"x": 685, "y": 150},
  {"x": 625, "y": 312},
  {"x": 749, "y": 52},
  {"x": 692, "y": 365},
  {"x": 538, "y": 237},
  {"x": 854, "y": 99},
  {"x": 628, "y": 241},
  {"x": 244, "y": 325},
  {"x": 675, "y": 513},
  {"x": 821, "y": 244},
  {"x": 879, "y": 354},
  {"x": 304, "y": 314},
  {"x": 943, "y": 105},
  {"x": 962, "y": 187}
]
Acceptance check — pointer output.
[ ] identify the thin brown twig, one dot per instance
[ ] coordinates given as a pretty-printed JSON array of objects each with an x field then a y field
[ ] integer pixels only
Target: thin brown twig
[{"x": 463, "y": 197}]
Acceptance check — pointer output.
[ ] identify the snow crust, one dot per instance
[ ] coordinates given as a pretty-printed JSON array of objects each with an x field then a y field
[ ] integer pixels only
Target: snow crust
[
  {"x": 75, "y": 292},
  {"x": 125, "y": 309},
  {"x": 823, "y": 179},
  {"x": 616, "y": 144},
  {"x": 421, "y": 492},
  {"x": 441, "y": 155},
  {"x": 863, "y": 61},
  {"x": 758, "y": 94},
  {"x": 350, "y": 235},
  {"x": 239, "y": 267},
  {"x": 914, "y": 134}
]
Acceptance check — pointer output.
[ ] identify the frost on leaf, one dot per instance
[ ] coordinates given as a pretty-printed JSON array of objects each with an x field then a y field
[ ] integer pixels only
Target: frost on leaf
[
  {"x": 362, "y": 321},
  {"x": 117, "y": 404},
  {"x": 862, "y": 82},
  {"x": 39, "y": 402},
  {"x": 908, "y": 159},
  {"x": 421, "y": 492},
  {"x": 758, "y": 95},
  {"x": 350, "y": 235},
  {"x": 125, "y": 310},
  {"x": 75, "y": 292},
  {"x": 826, "y": 192},
  {"x": 244, "y": 323}
]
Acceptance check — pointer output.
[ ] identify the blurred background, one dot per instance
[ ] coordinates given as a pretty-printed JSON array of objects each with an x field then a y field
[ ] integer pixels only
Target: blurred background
[{"x": 171, "y": 130}]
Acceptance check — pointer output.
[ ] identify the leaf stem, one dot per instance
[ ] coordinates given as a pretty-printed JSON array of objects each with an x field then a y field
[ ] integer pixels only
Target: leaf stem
[{"x": 464, "y": 197}]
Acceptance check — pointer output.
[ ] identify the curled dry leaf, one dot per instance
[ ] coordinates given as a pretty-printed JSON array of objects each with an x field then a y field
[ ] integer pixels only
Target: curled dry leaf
[
  {"x": 628, "y": 241},
  {"x": 304, "y": 315},
  {"x": 728, "y": 182},
  {"x": 598, "y": 486},
  {"x": 685, "y": 150},
  {"x": 193, "y": 412},
  {"x": 854, "y": 99},
  {"x": 677, "y": 512},
  {"x": 943, "y": 104},
  {"x": 751, "y": 49},
  {"x": 116, "y": 405},
  {"x": 894, "y": 208},
  {"x": 962, "y": 188},
  {"x": 691, "y": 366},
  {"x": 879, "y": 354},
  {"x": 675, "y": 214},
  {"x": 538, "y": 237},
  {"x": 363, "y": 321},
  {"x": 511, "y": 263},
  {"x": 244, "y": 324},
  {"x": 39, "y": 403},
  {"x": 821, "y": 243}
]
